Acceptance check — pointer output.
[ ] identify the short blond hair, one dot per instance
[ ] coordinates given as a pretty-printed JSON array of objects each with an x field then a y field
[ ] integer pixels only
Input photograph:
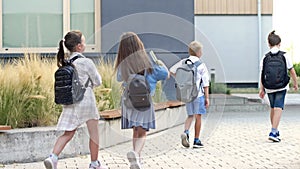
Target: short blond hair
[{"x": 195, "y": 47}]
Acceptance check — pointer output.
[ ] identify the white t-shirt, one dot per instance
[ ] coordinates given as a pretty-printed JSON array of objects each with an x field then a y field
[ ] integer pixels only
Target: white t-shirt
[
  {"x": 289, "y": 65},
  {"x": 202, "y": 73}
]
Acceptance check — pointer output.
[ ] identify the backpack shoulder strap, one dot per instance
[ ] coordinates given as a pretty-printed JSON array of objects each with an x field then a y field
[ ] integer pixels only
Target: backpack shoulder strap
[
  {"x": 268, "y": 54},
  {"x": 266, "y": 58},
  {"x": 73, "y": 59},
  {"x": 281, "y": 52},
  {"x": 198, "y": 63},
  {"x": 185, "y": 61}
]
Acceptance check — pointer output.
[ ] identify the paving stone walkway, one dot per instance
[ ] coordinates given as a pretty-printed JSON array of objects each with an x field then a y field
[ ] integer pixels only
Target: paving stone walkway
[{"x": 239, "y": 141}]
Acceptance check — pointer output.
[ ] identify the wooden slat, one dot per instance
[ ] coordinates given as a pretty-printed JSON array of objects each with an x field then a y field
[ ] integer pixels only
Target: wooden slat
[
  {"x": 115, "y": 114},
  {"x": 212, "y": 7},
  {"x": 205, "y": 7},
  {"x": 110, "y": 114},
  {"x": 218, "y": 6},
  {"x": 247, "y": 7},
  {"x": 236, "y": 6},
  {"x": 224, "y": 6},
  {"x": 267, "y": 6},
  {"x": 174, "y": 104},
  {"x": 3, "y": 127},
  {"x": 253, "y": 8},
  {"x": 232, "y": 7},
  {"x": 241, "y": 6},
  {"x": 250, "y": 7}
]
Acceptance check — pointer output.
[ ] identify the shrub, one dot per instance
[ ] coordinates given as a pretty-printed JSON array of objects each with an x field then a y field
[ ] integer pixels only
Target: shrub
[
  {"x": 26, "y": 93},
  {"x": 109, "y": 94},
  {"x": 297, "y": 68},
  {"x": 219, "y": 88}
]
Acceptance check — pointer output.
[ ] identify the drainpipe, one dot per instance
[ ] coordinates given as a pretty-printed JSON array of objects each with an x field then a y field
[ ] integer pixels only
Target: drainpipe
[{"x": 259, "y": 37}]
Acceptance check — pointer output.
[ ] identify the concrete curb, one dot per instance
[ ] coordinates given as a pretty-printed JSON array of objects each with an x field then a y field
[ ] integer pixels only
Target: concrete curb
[{"x": 35, "y": 144}]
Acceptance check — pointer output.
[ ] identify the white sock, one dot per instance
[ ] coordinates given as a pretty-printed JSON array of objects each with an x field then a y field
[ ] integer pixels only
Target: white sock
[
  {"x": 54, "y": 156},
  {"x": 95, "y": 163}
]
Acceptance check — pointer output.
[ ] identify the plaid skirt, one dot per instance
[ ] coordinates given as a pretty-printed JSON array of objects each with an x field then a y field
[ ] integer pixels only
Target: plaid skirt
[{"x": 76, "y": 114}]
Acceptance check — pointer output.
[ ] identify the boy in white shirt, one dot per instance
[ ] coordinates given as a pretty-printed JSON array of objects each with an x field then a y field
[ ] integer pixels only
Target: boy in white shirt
[
  {"x": 276, "y": 88},
  {"x": 197, "y": 107}
]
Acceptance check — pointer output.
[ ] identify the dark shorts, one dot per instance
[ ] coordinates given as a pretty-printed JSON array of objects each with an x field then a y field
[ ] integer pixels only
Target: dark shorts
[{"x": 277, "y": 99}]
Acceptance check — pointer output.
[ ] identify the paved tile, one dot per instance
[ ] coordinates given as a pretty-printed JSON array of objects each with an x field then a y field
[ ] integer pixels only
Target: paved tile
[{"x": 239, "y": 141}]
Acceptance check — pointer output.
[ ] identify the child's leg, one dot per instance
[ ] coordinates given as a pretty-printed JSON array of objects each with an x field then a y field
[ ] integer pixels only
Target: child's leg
[
  {"x": 197, "y": 125},
  {"x": 188, "y": 122},
  {"x": 62, "y": 141},
  {"x": 277, "y": 105},
  {"x": 272, "y": 115},
  {"x": 92, "y": 126},
  {"x": 275, "y": 119},
  {"x": 139, "y": 139}
]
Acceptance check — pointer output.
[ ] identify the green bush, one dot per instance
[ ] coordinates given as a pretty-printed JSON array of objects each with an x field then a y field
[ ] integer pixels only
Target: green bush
[
  {"x": 26, "y": 93},
  {"x": 219, "y": 88},
  {"x": 27, "y": 96},
  {"x": 297, "y": 68}
]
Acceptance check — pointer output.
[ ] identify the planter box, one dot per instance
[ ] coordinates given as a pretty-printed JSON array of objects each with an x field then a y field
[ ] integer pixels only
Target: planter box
[{"x": 35, "y": 144}]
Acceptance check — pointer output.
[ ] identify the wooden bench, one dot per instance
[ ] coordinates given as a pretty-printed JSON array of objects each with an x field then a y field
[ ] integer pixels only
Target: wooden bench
[{"x": 115, "y": 114}]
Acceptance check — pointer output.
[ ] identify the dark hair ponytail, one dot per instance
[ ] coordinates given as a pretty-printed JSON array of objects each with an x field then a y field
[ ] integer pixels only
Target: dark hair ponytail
[
  {"x": 274, "y": 39},
  {"x": 61, "y": 54},
  {"x": 70, "y": 41}
]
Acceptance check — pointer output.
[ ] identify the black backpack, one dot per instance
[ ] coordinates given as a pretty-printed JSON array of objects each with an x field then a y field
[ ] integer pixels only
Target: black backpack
[
  {"x": 67, "y": 87},
  {"x": 274, "y": 72},
  {"x": 137, "y": 93}
]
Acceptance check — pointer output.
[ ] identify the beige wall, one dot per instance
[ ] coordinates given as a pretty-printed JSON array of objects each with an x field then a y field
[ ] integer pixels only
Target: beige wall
[{"x": 232, "y": 7}]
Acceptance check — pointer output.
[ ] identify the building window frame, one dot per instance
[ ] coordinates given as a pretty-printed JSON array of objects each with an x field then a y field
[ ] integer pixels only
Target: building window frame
[{"x": 90, "y": 48}]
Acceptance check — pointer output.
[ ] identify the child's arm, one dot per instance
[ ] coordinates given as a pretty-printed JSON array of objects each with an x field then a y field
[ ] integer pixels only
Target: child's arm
[
  {"x": 206, "y": 94},
  {"x": 93, "y": 73},
  {"x": 294, "y": 77},
  {"x": 161, "y": 63},
  {"x": 261, "y": 91},
  {"x": 174, "y": 68}
]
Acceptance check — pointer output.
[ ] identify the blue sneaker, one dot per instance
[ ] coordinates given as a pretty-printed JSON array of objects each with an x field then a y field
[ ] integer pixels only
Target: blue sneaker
[
  {"x": 198, "y": 144},
  {"x": 277, "y": 134},
  {"x": 274, "y": 137}
]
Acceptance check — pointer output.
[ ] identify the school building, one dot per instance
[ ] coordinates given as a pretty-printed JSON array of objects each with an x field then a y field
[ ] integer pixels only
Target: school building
[
  {"x": 234, "y": 35},
  {"x": 233, "y": 32}
]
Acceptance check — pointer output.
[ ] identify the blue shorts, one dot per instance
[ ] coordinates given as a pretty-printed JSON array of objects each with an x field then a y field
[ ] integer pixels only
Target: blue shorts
[
  {"x": 277, "y": 99},
  {"x": 196, "y": 107}
]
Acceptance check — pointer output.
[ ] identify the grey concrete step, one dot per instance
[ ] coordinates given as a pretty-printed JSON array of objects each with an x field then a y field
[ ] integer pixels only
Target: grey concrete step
[{"x": 228, "y": 103}]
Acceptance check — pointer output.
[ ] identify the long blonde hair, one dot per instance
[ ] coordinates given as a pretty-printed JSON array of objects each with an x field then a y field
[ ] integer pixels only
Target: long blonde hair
[{"x": 132, "y": 57}]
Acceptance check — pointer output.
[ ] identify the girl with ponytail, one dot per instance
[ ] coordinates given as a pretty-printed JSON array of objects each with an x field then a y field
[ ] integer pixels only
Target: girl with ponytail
[{"x": 84, "y": 111}]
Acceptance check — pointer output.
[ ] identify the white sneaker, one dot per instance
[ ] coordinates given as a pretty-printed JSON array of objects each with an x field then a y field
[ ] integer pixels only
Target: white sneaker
[
  {"x": 50, "y": 163},
  {"x": 133, "y": 160},
  {"x": 98, "y": 167},
  {"x": 185, "y": 140}
]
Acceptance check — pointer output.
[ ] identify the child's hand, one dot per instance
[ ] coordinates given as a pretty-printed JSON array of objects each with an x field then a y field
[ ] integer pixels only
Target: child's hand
[
  {"x": 207, "y": 103},
  {"x": 261, "y": 93},
  {"x": 160, "y": 63},
  {"x": 296, "y": 87}
]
